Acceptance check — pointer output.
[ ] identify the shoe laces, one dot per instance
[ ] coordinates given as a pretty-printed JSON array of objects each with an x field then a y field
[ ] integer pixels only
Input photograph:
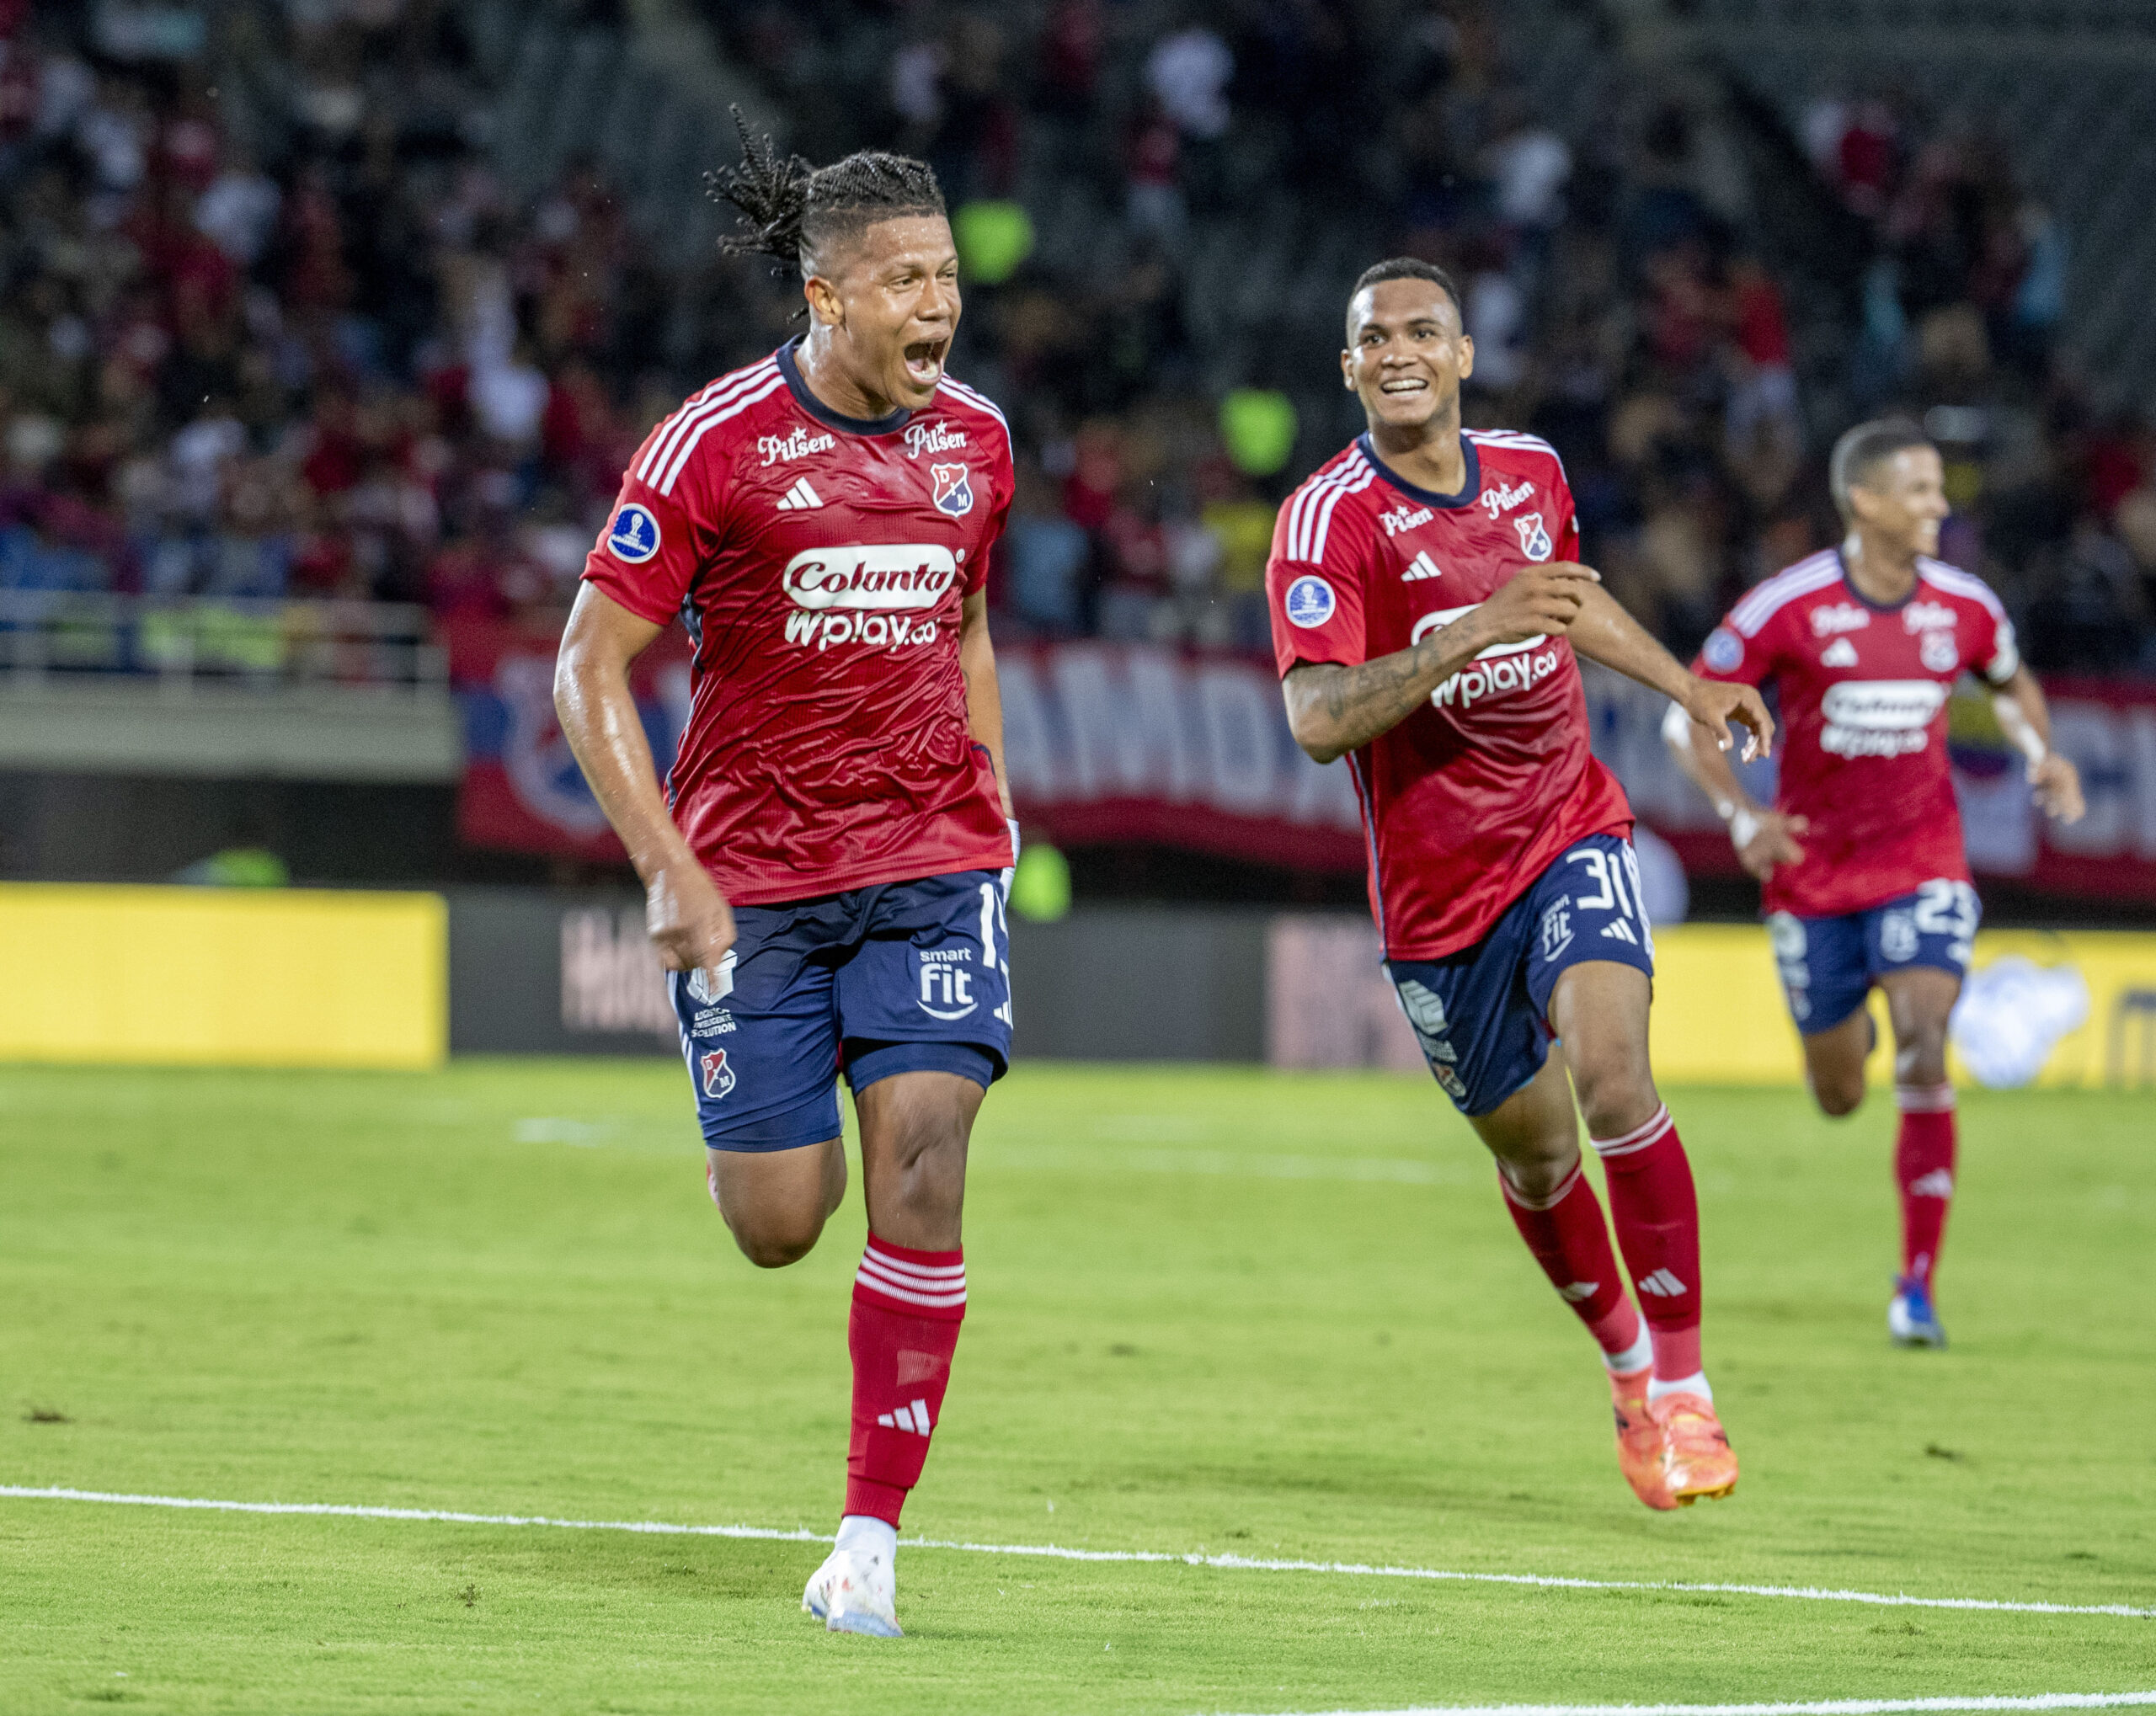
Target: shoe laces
[{"x": 1689, "y": 1422}]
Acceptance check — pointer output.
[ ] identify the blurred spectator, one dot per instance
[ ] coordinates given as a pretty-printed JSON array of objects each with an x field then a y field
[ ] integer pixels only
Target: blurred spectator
[
  {"x": 329, "y": 351},
  {"x": 1188, "y": 73}
]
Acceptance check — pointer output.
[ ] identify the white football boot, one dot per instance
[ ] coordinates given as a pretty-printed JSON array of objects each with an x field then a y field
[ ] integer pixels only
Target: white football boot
[{"x": 856, "y": 1590}]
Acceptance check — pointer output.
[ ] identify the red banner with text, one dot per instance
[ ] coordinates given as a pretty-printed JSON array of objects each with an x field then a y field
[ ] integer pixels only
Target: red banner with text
[{"x": 1111, "y": 743}]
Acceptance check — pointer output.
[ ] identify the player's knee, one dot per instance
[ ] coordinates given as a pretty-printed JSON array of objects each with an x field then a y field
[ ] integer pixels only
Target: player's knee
[
  {"x": 772, "y": 1242},
  {"x": 1837, "y": 1097}
]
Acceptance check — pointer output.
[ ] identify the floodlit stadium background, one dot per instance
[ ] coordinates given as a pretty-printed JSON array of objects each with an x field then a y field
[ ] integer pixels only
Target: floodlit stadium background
[
  {"x": 347, "y": 1172},
  {"x": 325, "y": 328}
]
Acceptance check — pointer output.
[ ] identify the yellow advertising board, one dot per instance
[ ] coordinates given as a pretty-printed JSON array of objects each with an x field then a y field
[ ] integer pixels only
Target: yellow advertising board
[
  {"x": 214, "y": 977},
  {"x": 1719, "y": 1017}
]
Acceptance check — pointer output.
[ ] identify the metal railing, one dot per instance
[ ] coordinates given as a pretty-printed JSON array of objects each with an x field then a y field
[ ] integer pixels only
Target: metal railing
[{"x": 85, "y": 638}]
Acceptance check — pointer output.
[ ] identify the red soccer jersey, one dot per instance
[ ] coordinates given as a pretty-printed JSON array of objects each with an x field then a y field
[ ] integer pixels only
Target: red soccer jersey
[
  {"x": 819, "y": 562},
  {"x": 1467, "y": 801},
  {"x": 1863, "y": 734}
]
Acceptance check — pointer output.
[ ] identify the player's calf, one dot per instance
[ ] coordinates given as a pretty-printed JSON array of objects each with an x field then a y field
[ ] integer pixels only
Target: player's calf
[{"x": 913, "y": 1129}]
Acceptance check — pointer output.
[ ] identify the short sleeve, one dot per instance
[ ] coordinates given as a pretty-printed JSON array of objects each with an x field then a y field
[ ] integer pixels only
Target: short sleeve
[
  {"x": 1729, "y": 655},
  {"x": 1998, "y": 655},
  {"x": 650, "y": 548},
  {"x": 1316, "y": 600},
  {"x": 1002, "y": 489},
  {"x": 1568, "y": 526}
]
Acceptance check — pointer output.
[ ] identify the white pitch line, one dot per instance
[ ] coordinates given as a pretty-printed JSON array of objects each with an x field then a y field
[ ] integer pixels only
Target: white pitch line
[
  {"x": 1057, "y": 1552},
  {"x": 1825, "y": 1707}
]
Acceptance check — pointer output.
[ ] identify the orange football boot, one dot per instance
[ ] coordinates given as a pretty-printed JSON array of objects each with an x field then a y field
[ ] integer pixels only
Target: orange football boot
[
  {"x": 1699, "y": 1460},
  {"x": 1641, "y": 1444}
]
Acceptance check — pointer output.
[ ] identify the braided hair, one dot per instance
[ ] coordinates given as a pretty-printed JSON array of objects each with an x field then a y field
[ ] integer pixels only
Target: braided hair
[{"x": 792, "y": 211}]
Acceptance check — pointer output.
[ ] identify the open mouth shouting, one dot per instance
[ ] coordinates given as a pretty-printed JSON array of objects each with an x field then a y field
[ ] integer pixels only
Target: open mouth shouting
[{"x": 924, "y": 360}]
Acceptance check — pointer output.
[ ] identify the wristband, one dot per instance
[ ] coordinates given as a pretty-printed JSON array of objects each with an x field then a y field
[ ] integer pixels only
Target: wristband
[{"x": 1744, "y": 824}]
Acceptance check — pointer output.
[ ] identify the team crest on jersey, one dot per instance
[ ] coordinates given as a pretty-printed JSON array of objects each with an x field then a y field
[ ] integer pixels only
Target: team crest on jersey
[
  {"x": 1939, "y": 651},
  {"x": 1310, "y": 602},
  {"x": 719, "y": 1077},
  {"x": 633, "y": 535},
  {"x": 1534, "y": 538},
  {"x": 954, "y": 489},
  {"x": 1724, "y": 650}
]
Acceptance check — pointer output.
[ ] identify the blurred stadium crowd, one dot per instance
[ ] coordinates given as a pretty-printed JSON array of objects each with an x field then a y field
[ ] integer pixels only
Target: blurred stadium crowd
[{"x": 327, "y": 353}]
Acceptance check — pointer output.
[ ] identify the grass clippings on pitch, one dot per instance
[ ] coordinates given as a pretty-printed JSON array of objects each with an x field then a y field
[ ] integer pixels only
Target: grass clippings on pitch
[{"x": 1268, "y": 1316}]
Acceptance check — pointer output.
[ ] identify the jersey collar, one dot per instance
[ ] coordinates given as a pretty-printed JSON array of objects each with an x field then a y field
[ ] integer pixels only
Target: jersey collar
[
  {"x": 1429, "y": 497},
  {"x": 822, "y": 413},
  {"x": 1848, "y": 584}
]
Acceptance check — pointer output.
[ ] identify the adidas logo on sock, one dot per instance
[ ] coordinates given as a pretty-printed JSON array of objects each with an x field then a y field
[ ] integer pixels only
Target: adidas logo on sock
[
  {"x": 1663, "y": 1285},
  {"x": 799, "y": 497},
  {"x": 1578, "y": 1290},
  {"x": 1939, "y": 1183},
  {"x": 914, "y": 1420},
  {"x": 1421, "y": 565}
]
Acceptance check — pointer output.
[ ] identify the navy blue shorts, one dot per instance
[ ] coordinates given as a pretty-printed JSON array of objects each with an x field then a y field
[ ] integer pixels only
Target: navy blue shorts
[
  {"x": 1828, "y": 964},
  {"x": 909, "y": 977},
  {"x": 1482, "y": 1013}
]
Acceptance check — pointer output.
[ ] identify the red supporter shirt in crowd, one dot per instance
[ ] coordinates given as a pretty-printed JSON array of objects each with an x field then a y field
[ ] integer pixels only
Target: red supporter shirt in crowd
[
  {"x": 819, "y": 562},
  {"x": 1466, "y": 801},
  {"x": 1863, "y": 735}
]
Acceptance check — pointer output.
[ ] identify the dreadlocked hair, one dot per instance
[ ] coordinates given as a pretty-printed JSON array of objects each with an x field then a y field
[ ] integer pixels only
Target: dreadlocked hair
[{"x": 792, "y": 211}]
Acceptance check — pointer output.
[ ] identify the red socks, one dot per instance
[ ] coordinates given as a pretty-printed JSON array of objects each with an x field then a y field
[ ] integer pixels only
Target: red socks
[
  {"x": 907, "y": 1307},
  {"x": 1923, "y": 1169},
  {"x": 1566, "y": 1235},
  {"x": 1657, "y": 1219}
]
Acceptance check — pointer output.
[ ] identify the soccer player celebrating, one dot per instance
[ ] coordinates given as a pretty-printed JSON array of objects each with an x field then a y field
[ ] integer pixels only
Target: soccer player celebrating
[
  {"x": 1426, "y": 607},
  {"x": 825, "y": 873},
  {"x": 1860, "y": 859}
]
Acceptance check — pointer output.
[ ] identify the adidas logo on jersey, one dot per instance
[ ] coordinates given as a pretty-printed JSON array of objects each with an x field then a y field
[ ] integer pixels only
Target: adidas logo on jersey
[
  {"x": 1421, "y": 565},
  {"x": 1840, "y": 653},
  {"x": 799, "y": 497},
  {"x": 1619, "y": 931},
  {"x": 913, "y": 1420},
  {"x": 1663, "y": 1285}
]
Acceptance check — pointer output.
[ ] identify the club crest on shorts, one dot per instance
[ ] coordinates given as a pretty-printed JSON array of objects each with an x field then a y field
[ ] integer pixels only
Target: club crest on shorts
[
  {"x": 633, "y": 536},
  {"x": 1897, "y": 937},
  {"x": 718, "y": 1076},
  {"x": 1534, "y": 538},
  {"x": 954, "y": 489}
]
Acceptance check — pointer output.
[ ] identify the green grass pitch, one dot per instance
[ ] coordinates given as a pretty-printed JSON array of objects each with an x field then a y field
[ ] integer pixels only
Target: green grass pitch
[{"x": 1277, "y": 1315}]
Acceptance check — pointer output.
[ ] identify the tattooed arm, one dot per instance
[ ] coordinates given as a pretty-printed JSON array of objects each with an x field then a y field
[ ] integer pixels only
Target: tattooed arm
[{"x": 1333, "y": 709}]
